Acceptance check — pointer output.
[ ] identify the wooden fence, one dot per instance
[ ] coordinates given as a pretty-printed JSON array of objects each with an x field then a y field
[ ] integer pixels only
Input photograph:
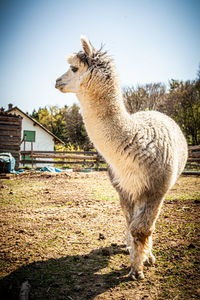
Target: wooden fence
[
  {"x": 89, "y": 158},
  {"x": 194, "y": 154},
  {"x": 193, "y": 163}
]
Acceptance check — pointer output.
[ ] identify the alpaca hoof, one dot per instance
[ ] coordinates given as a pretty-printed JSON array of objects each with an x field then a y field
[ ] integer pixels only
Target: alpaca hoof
[
  {"x": 147, "y": 262},
  {"x": 128, "y": 249},
  {"x": 136, "y": 275},
  {"x": 150, "y": 260}
]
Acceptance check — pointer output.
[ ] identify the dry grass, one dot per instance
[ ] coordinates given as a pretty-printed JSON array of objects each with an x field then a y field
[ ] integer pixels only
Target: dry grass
[{"x": 65, "y": 234}]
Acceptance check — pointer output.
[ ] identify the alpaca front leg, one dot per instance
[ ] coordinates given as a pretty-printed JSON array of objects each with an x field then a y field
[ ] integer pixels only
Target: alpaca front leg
[
  {"x": 139, "y": 253},
  {"x": 141, "y": 229},
  {"x": 149, "y": 258}
]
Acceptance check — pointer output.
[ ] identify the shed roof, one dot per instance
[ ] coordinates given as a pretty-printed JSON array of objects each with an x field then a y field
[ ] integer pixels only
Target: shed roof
[{"x": 36, "y": 123}]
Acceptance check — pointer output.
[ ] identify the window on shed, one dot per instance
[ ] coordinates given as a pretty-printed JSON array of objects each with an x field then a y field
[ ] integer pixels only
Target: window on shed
[{"x": 29, "y": 136}]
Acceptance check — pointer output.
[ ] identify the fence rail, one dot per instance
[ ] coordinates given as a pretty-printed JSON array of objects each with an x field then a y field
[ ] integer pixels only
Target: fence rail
[
  {"x": 193, "y": 153},
  {"x": 193, "y": 162},
  {"x": 62, "y": 157},
  {"x": 88, "y": 157}
]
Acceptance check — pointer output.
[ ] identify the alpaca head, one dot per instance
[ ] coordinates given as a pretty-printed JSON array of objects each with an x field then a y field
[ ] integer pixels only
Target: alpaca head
[{"x": 88, "y": 67}]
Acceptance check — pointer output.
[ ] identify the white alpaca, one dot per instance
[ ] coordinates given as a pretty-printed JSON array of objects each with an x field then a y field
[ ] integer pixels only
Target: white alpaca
[{"x": 146, "y": 151}]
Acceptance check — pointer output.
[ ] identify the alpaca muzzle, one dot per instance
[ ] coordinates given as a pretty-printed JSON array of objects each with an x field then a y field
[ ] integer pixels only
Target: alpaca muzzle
[{"x": 59, "y": 83}]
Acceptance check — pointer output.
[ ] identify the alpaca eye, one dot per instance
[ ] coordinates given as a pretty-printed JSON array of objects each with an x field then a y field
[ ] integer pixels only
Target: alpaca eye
[{"x": 74, "y": 69}]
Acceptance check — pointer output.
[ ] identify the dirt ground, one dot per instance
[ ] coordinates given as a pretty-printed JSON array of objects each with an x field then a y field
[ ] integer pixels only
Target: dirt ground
[{"x": 65, "y": 234}]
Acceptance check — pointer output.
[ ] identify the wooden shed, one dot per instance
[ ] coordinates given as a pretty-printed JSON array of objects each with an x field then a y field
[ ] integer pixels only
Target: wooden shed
[
  {"x": 34, "y": 136},
  {"x": 10, "y": 134}
]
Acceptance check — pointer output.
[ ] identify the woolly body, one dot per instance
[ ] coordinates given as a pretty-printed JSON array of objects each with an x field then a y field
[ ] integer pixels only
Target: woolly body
[{"x": 146, "y": 151}]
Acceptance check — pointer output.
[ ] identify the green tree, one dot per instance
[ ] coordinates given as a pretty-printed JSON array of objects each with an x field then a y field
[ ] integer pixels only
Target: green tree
[
  {"x": 34, "y": 115},
  {"x": 181, "y": 102},
  {"x": 75, "y": 129},
  {"x": 66, "y": 123},
  {"x": 53, "y": 119},
  {"x": 184, "y": 106}
]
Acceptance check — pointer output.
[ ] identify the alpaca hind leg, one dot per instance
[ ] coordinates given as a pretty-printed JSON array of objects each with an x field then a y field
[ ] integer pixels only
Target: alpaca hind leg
[
  {"x": 151, "y": 256},
  {"x": 129, "y": 240},
  {"x": 127, "y": 208},
  {"x": 150, "y": 260}
]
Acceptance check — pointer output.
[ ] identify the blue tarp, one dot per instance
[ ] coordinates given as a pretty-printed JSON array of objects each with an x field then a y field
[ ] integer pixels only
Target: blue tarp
[
  {"x": 9, "y": 160},
  {"x": 50, "y": 169},
  {"x": 54, "y": 170}
]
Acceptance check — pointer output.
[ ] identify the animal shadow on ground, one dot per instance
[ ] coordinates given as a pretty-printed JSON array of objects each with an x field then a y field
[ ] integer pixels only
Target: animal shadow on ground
[{"x": 70, "y": 277}]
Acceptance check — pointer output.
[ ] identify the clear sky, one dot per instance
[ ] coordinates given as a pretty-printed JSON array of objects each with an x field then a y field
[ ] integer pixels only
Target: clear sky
[{"x": 150, "y": 41}]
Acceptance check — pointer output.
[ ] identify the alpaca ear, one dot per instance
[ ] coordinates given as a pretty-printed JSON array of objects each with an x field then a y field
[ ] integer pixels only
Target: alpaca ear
[
  {"x": 87, "y": 46},
  {"x": 70, "y": 58}
]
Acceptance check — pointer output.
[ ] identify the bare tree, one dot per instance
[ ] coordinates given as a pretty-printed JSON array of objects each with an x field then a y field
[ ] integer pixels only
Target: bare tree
[{"x": 150, "y": 96}]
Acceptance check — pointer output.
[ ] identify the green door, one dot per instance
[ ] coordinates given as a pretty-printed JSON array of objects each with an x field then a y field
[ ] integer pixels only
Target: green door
[{"x": 29, "y": 136}]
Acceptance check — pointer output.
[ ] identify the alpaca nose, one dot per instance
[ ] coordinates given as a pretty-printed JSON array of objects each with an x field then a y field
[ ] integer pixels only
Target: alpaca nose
[{"x": 58, "y": 82}]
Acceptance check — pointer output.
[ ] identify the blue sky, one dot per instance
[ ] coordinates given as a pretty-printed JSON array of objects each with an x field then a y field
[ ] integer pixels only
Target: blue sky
[{"x": 150, "y": 41}]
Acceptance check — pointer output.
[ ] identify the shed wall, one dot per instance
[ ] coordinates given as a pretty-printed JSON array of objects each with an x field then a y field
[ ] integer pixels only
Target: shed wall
[{"x": 10, "y": 135}]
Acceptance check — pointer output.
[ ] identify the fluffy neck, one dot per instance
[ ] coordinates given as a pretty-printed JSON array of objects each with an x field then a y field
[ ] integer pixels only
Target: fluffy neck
[{"x": 107, "y": 121}]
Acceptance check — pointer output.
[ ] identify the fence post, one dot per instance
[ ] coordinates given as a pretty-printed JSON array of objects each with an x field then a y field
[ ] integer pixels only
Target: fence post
[
  {"x": 98, "y": 161},
  {"x": 32, "y": 154}
]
